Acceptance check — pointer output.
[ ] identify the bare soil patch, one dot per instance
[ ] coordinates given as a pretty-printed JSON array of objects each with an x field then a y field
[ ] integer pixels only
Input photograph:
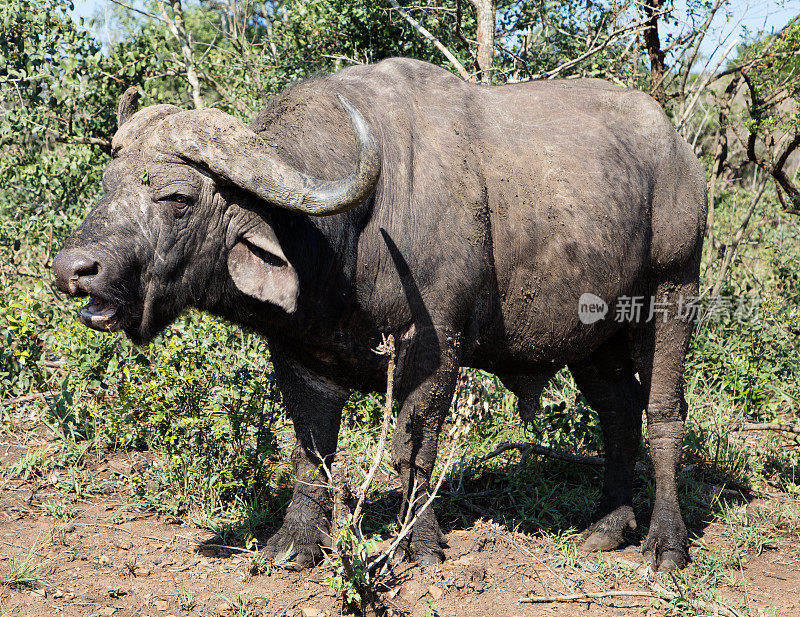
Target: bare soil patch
[{"x": 105, "y": 556}]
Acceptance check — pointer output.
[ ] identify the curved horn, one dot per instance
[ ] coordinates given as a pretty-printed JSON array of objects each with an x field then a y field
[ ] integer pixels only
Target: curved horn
[{"x": 237, "y": 154}]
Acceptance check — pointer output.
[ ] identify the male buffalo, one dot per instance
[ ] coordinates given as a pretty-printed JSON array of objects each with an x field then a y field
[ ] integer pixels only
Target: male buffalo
[{"x": 467, "y": 220}]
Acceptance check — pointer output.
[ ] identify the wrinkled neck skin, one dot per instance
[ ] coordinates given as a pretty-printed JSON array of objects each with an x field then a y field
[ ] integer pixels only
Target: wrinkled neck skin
[{"x": 322, "y": 250}]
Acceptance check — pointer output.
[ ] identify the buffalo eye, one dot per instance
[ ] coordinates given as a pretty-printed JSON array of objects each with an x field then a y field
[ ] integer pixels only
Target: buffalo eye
[{"x": 177, "y": 201}]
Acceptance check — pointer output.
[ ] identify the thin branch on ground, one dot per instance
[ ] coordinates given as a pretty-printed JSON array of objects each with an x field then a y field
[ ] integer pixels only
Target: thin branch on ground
[
  {"x": 717, "y": 607},
  {"x": 770, "y": 426},
  {"x": 599, "y": 461},
  {"x": 531, "y": 448},
  {"x": 712, "y": 607},
  {"x": 30, "y": 397}
]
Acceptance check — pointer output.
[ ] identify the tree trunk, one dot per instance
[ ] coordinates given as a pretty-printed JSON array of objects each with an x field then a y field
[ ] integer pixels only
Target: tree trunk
[
  {"x": 720, "y": 156},
  {"x": 177, "y": 27},
  {"x": 652, "y": 9},
  {"x": 484, "y": 14}
]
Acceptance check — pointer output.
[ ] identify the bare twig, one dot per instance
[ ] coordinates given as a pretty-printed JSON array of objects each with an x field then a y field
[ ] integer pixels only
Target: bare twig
[
  {"x": 718, "y": 607},
  {"x": 387, "y": 555},
  {"x": 436, "y": 42},
  {"x": 741, "y": 569},
  {"x": 177, "y": 27},
  {"x": 30, "y": 397},
  {"x": 703, "y": 84},
  {"x": 599, "y": 594},
  {"x": 387, "y": 348},
  {"x": 141, "y": 12},
  {"x": 712, "y": 607},
  {"x": 531, "y": 448},
  {"x": 730, "y": 251},
  {"x": 770, "y": 426},
  {"x": 103, "y": 144},
  {"x": 599, "y": 461}
]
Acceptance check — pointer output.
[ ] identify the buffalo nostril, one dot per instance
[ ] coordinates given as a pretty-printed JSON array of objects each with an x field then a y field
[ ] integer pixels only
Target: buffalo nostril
[
  {"x": 73, "y": 271},
  {"x": 86, "y": 269}
]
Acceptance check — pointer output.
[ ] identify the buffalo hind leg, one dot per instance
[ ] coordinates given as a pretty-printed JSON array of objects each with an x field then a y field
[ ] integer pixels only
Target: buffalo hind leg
[
  {"x": 607, "y": 381},
  {"x": 315, "y": 406},
  {"x": 427, "y": 382},
  {"x": 659, "y": 348}
]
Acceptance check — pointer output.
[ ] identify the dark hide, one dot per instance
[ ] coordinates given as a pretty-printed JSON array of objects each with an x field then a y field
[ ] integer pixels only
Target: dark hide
[{"x": 494, "y": 210}]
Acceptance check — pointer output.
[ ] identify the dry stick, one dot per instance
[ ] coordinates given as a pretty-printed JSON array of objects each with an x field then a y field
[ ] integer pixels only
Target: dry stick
[
  {"x": 714, "y": 607},
  {"x": 587, "y": 596},
  {"x": 741, "y": 569},
  {"x": 719, "y": 608},
  {"x": 731, "y": 250},
  {"x": 112, "y": 527},
  {"x": 177, "y": 28},
  {"x": 531, "y": 554},
  {"x": 599, "y": 461},
  {"x": 696, "y": 40},
  {"x": 770, "y": 426},
  {"x": 340, "y": 486},
  {"x": 31, "y": 397},
  {"x": 387, "y": 347},
  {"x": 704, "y": 84},
  {"x": 436, "y": 42},
  {"x": 595, "y": 461},
  {"x": 295, "y": 602},
  {"x": 720, "y": 154},
  {"x": 200, "y": 544},
  {"x": 408, "y": 525}
]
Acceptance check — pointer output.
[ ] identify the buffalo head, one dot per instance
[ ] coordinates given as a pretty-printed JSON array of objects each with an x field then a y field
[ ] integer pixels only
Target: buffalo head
[{"x": 186, "y": 211}]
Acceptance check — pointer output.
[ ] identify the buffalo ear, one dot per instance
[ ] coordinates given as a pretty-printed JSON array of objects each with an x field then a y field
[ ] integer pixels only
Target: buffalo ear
[
  {"x": 260, "y": 270},
  {"x": 128, "y": 105}
]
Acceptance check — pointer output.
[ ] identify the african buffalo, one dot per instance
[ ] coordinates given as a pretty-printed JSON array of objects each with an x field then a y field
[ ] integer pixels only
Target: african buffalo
[{"x": 467, "y": 220}]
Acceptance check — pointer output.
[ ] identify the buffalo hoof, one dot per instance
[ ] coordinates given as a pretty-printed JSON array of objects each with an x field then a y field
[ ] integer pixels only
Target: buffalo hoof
[
  {"x": 432, "y": 558},
  {"x": 425, "y": 552},
  {"x": 295, "y": 548},
  {"x": 606, "y": 533},
  {"x": 665, "y": 546},
  {"x": 668, "y": 561}
]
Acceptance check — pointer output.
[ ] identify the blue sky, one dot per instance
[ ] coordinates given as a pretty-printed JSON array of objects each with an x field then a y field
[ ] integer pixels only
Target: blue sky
[{"x": 744, "y": 16}]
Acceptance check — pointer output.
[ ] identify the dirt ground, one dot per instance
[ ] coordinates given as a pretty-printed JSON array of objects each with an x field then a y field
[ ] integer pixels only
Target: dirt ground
[{"x": 109, "y": 558}]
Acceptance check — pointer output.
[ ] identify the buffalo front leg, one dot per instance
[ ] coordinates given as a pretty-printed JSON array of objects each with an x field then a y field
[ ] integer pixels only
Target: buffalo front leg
[
  {"x": 429, "y": 369},
  {"x": 315, "y": 406},
  {"x": 659, "y": 350},
  {"x": 607, "y": 381}
]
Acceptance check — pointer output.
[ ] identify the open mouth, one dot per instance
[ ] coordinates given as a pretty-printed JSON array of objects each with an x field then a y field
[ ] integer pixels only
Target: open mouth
[{"x": 100, "y": 315}]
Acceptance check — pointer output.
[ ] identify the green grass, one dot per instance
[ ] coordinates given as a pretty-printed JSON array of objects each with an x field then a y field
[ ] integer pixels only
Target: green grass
[
  {"x": 60, "y": 509},
  {"x": 28, "y": 572}
]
